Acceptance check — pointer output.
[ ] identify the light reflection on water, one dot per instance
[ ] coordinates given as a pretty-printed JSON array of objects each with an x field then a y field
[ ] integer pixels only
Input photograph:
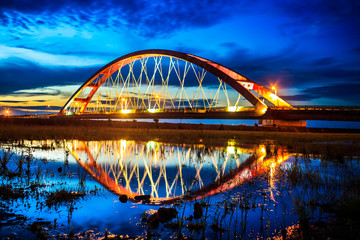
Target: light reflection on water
[
  {"x": 167, "y": 172},
  {"x": 175, "y": 175}
]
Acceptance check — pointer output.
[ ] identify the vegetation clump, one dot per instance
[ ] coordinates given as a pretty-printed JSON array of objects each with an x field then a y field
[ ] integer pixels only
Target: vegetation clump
[
  {"x": 7, "y": 192},
  {"x": 62, "y": 196}
]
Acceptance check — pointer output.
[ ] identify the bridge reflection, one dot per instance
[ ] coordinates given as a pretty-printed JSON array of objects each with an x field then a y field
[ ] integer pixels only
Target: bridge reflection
[{"x": 158, "y": 173}]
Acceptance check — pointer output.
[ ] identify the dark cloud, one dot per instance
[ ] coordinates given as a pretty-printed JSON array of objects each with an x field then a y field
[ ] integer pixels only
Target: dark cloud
[
  {"x": 342, "y": 91},
  {"x": 145, "y": 17},
  {"x": 44, "y": 107},
  {"x": 28, "y": 76},
  {"x": 310, "y": 10},
  {"x": 318, "y": 13},
  {"x": 289, "y": 69},
  {"x": 323, "y": 61},
  {"x": 356, "y": 50},
  {"x": 13, "y": 101}
]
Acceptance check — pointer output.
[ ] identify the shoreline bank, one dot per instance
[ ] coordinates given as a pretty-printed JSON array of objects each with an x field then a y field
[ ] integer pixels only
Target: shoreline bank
[{"x": 41, "y": 129}]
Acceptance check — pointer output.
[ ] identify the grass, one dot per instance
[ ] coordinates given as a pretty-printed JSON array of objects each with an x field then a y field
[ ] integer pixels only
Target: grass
[
  {"x": 62, "y": 196},
  {"x": 332, "y": 190},
  {"x": 8, "y": 192},
  {"x": 101, "y": 130},
  {"x": 327, "y": 146}
]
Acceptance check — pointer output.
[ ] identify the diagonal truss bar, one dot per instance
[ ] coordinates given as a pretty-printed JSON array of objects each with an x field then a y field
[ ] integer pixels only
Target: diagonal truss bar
[{"x": 238, "y": 82}]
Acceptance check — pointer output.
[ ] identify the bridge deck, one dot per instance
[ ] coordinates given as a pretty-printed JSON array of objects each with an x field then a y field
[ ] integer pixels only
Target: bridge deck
[{"x": 298, "y": 113}]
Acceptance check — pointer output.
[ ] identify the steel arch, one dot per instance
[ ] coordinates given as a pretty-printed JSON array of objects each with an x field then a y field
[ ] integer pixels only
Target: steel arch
[{"x": 237, "y": 81}]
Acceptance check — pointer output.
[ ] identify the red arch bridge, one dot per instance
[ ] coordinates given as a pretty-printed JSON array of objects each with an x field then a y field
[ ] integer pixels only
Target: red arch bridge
[{"x": 168, "y": 84}]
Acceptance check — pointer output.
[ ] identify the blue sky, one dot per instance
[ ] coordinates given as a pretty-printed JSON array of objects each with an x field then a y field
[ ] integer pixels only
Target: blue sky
[{"x": 310, "y": 49}]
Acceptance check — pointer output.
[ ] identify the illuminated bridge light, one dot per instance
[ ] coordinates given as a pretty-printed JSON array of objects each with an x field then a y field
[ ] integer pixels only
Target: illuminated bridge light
[
  {"x": 125, "y": 111},
  {"x": 230, "y": 150},
  {"x": 153, "y": 110},
  {"x": 234, "y": 108},
  {"x": 123, "y": 143},
  {"x": 151, "y": 145}
]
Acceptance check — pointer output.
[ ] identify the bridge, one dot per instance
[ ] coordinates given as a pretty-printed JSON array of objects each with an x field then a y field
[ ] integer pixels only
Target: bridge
[{"x": 161, "y": 84}]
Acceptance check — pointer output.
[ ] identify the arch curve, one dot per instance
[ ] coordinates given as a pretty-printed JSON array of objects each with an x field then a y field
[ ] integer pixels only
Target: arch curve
[{"x": 240, "y": 83}]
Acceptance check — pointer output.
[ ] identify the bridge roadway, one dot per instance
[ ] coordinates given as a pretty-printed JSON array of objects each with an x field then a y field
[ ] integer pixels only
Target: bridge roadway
[{"x": 294, "y": 113}]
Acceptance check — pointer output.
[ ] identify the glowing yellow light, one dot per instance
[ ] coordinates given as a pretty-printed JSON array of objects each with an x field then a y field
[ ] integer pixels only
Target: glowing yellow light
[
  {"x": 123, "y": 99},
  {"x": 151, "y": 144},
  {"x": 123, "y": 143},
  {"x": 125, "y": 111},
  {"x": 231, "y": 142},
  {"x": 262, "y": 149},
  {"x": 274, "y": 88},
  {"x": 157, "y": 96},
  {"x": 232, "y": 109},
  {"x": 263, "y": 110},
  {"x": 230, "y": 150},
  {"x": 153, "y": 110}
]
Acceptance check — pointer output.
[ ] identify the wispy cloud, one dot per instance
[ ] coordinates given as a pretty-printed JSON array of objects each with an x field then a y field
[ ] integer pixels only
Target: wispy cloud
[
  {"x": 37, "y": 92},
  {"x": 46, "y": 59}
]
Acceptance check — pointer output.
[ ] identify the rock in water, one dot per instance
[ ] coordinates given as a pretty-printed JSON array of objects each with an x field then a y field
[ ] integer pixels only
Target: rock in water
[
  {"x": 123, "y": 198},
  {"x": 198, "y": 210},
  {"x": 153, "y": 221},
  {"x": 142, "y": 197},
  {"x": 167, "y": 214}
]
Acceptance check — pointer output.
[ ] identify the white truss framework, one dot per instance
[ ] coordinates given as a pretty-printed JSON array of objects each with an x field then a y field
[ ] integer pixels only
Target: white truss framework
[{"x": 144, "y": 85}]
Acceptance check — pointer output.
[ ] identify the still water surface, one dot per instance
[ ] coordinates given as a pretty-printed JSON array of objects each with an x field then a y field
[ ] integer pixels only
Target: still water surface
[{"x": 238, "y": 186}]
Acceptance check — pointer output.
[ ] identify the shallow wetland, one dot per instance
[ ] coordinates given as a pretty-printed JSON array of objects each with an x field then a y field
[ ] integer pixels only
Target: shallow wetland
[{"x": 282, "y": 187}]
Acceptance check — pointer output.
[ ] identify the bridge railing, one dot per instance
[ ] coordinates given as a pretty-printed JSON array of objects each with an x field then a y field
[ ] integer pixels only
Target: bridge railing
[
  {"x": 183, "y": 110},
  {"x": 319, "y": 108}
]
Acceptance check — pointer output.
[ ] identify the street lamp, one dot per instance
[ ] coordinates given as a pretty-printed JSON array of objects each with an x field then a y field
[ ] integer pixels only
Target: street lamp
[{"x": 274, "y": 88}]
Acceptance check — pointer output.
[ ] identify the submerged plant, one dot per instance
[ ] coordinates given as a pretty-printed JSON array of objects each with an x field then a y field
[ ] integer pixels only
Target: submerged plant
[
  {"x": 6, "y": 157},
  {"x": 8, "y": 192},
  {"x": 62, "y": 196}
]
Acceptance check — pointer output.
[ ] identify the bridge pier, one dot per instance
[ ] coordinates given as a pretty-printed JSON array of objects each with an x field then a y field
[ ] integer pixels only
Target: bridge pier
[{"x": 282, "y": 123}]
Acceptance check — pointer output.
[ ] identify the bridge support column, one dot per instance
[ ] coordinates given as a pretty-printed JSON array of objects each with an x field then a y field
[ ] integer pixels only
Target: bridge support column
[{"x": 282, "y": 123}]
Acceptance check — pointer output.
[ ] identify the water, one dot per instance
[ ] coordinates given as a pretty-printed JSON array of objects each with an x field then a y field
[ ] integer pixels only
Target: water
[
  {"x": 252, "y": 122},
  {"x": 243, "y": 189}
]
